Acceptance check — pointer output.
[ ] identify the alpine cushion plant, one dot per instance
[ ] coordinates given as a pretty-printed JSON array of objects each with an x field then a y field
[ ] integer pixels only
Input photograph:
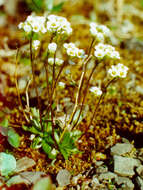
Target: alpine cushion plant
[{"x": 46, "y": 133}]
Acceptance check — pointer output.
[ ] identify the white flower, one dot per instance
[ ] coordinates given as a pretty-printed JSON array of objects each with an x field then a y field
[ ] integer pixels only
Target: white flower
[
  {"x": 35, "y": 44},
  {"x": 99, "y": 31},
  {"x": 103, "y": 50},
  {"x": 61, "y": 85},
  {"x": 95, "y": 90},
  {"x": 73, "y": 51},
  {"x": 118, "y": 70},
  {"x": 100, "y": 37},
  {"x": 113, "y": 71},
  {"x": 52, "y": 47},
  {"x": 34, "y": 23},
  {"x": 58, "y": 61},
  {"x": 99, "y": 54},
  {"x": 27, "y": 28},
  {"x": 59, "y": 25}
]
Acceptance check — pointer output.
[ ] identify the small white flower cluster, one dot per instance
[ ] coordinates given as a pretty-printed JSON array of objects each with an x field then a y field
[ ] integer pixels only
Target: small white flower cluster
[
  {"x": 52, "y": 48},
  {"x": 95, "y": 90},
  {"x": 73, "y": 51},
  {"x": 58, "y": 61},
  {"x": 33, "y": 23},
  {"x": 104, "y": 50},
  {"x": 118, "y": 70},
  {"x": 59, "y": 25},
  {"x": 99, "y": 31},
  {"x": 35, "y": 44}
]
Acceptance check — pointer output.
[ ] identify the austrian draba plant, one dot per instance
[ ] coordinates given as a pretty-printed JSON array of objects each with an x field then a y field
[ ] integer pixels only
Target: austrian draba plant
[{"x": 55, "y": 30}]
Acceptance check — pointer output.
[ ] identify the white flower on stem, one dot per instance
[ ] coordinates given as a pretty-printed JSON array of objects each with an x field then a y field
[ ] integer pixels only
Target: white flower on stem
[
  {"x": 95, "y": 90},
  {"x": 118, "y": 70},
  {"x": 73, "y": 51},
  {"x": 52, "y": 47},
  {"x": 59, "y": 25},
  {"x": 34, "y": 23},
  {"x": 35, "y": 44},
  {"x": 108, "y": 51},
  {"x": 61, "y": 85},
  {"x": 100, "y": 32},
  {"x": 58, "y": 61}
]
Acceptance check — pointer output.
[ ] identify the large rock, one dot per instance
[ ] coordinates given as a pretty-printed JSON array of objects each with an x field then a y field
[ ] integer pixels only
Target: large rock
[
  {"x": 125, "y": 166},
  {"x": 140, "y": 171},
  {"x": 63, "y": 177},
  {"x": 121, "y": 148},
  {"x": 107, "y": 176},
  {"x": 139, "y": 182},
  {"x": 126, "y": 183}
]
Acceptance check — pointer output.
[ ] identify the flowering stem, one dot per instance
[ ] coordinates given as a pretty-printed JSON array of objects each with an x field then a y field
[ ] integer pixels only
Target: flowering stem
[
  {"x": 33, "y": 73},
  {"x": 90, "y": 48},
  {"x": 77, "y": 96},
  {"x": 85, "y": 92},
  {"x": 16, "y": 84},
  {"x": 99, "y": 101}
]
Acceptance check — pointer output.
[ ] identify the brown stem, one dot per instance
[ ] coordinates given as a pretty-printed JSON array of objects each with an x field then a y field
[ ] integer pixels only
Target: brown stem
[
  {"x": 17, "y": 89},
  {"x": 101, "y": 97},
  {"x": 77, "y": 96},
  {"x": 90, "y": 48},
  {"x": 85, "y": 92},
  {"x": 35, "y": 86}
]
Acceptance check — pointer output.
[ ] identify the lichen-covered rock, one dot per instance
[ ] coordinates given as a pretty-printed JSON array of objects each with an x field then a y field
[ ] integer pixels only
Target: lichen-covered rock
[
  {"x": 139, "y": 182},
  {"x": 63, "y": 177},
  {"x": 125, "y": 166},
  {"x": 107, "y": 176},
  {"x": 121, "y": 148},
  {"x": 140, "y": 171},
  {"x": 127, "y": 183}
]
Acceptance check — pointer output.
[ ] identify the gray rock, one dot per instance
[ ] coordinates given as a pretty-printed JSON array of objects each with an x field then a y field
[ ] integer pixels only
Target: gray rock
[
  {"x": 101, "y": 169},
  {"x": 139, "y": 182},
  {"x": 107, "y": 176},
  {"x": 121, "y": 148},
  {"x": 99, "y": 163},
  {"x": 24, "y": 163},
  {"x": 127, "y": 183},
  {"x": 63, "y": 177},
  {"x": 125, "y": 166},
  {"x": 140, "y": 171}
]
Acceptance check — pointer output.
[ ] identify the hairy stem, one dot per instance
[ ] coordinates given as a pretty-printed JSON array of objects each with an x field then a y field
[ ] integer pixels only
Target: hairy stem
[
  {"x": 17, "y": 89},
  {"x": 34, "y": 80},
  {"x": 85, "y": 93},
  {"x": 77, "y": 96},
  {"x": 99, "y": 101}
]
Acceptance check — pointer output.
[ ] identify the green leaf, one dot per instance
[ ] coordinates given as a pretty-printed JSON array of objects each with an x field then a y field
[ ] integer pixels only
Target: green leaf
[
  {"x": 4, "y": 123},
  {"x": 49, "y": 4},
  {"x": 36, "y": 142},
  {"x": 67, "y": 145},
  {"x": 45, "y": 183},
  {"x": 13, "y": 138},
  {"x": 46, "y": 147},
  {"x": 33, "y": 130},
  {"x": 7, "y": 164},
  {"x": 58, "y": 8},
  {"x": 35, "y": 112},
  {"x": 56, "y": 136}
]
